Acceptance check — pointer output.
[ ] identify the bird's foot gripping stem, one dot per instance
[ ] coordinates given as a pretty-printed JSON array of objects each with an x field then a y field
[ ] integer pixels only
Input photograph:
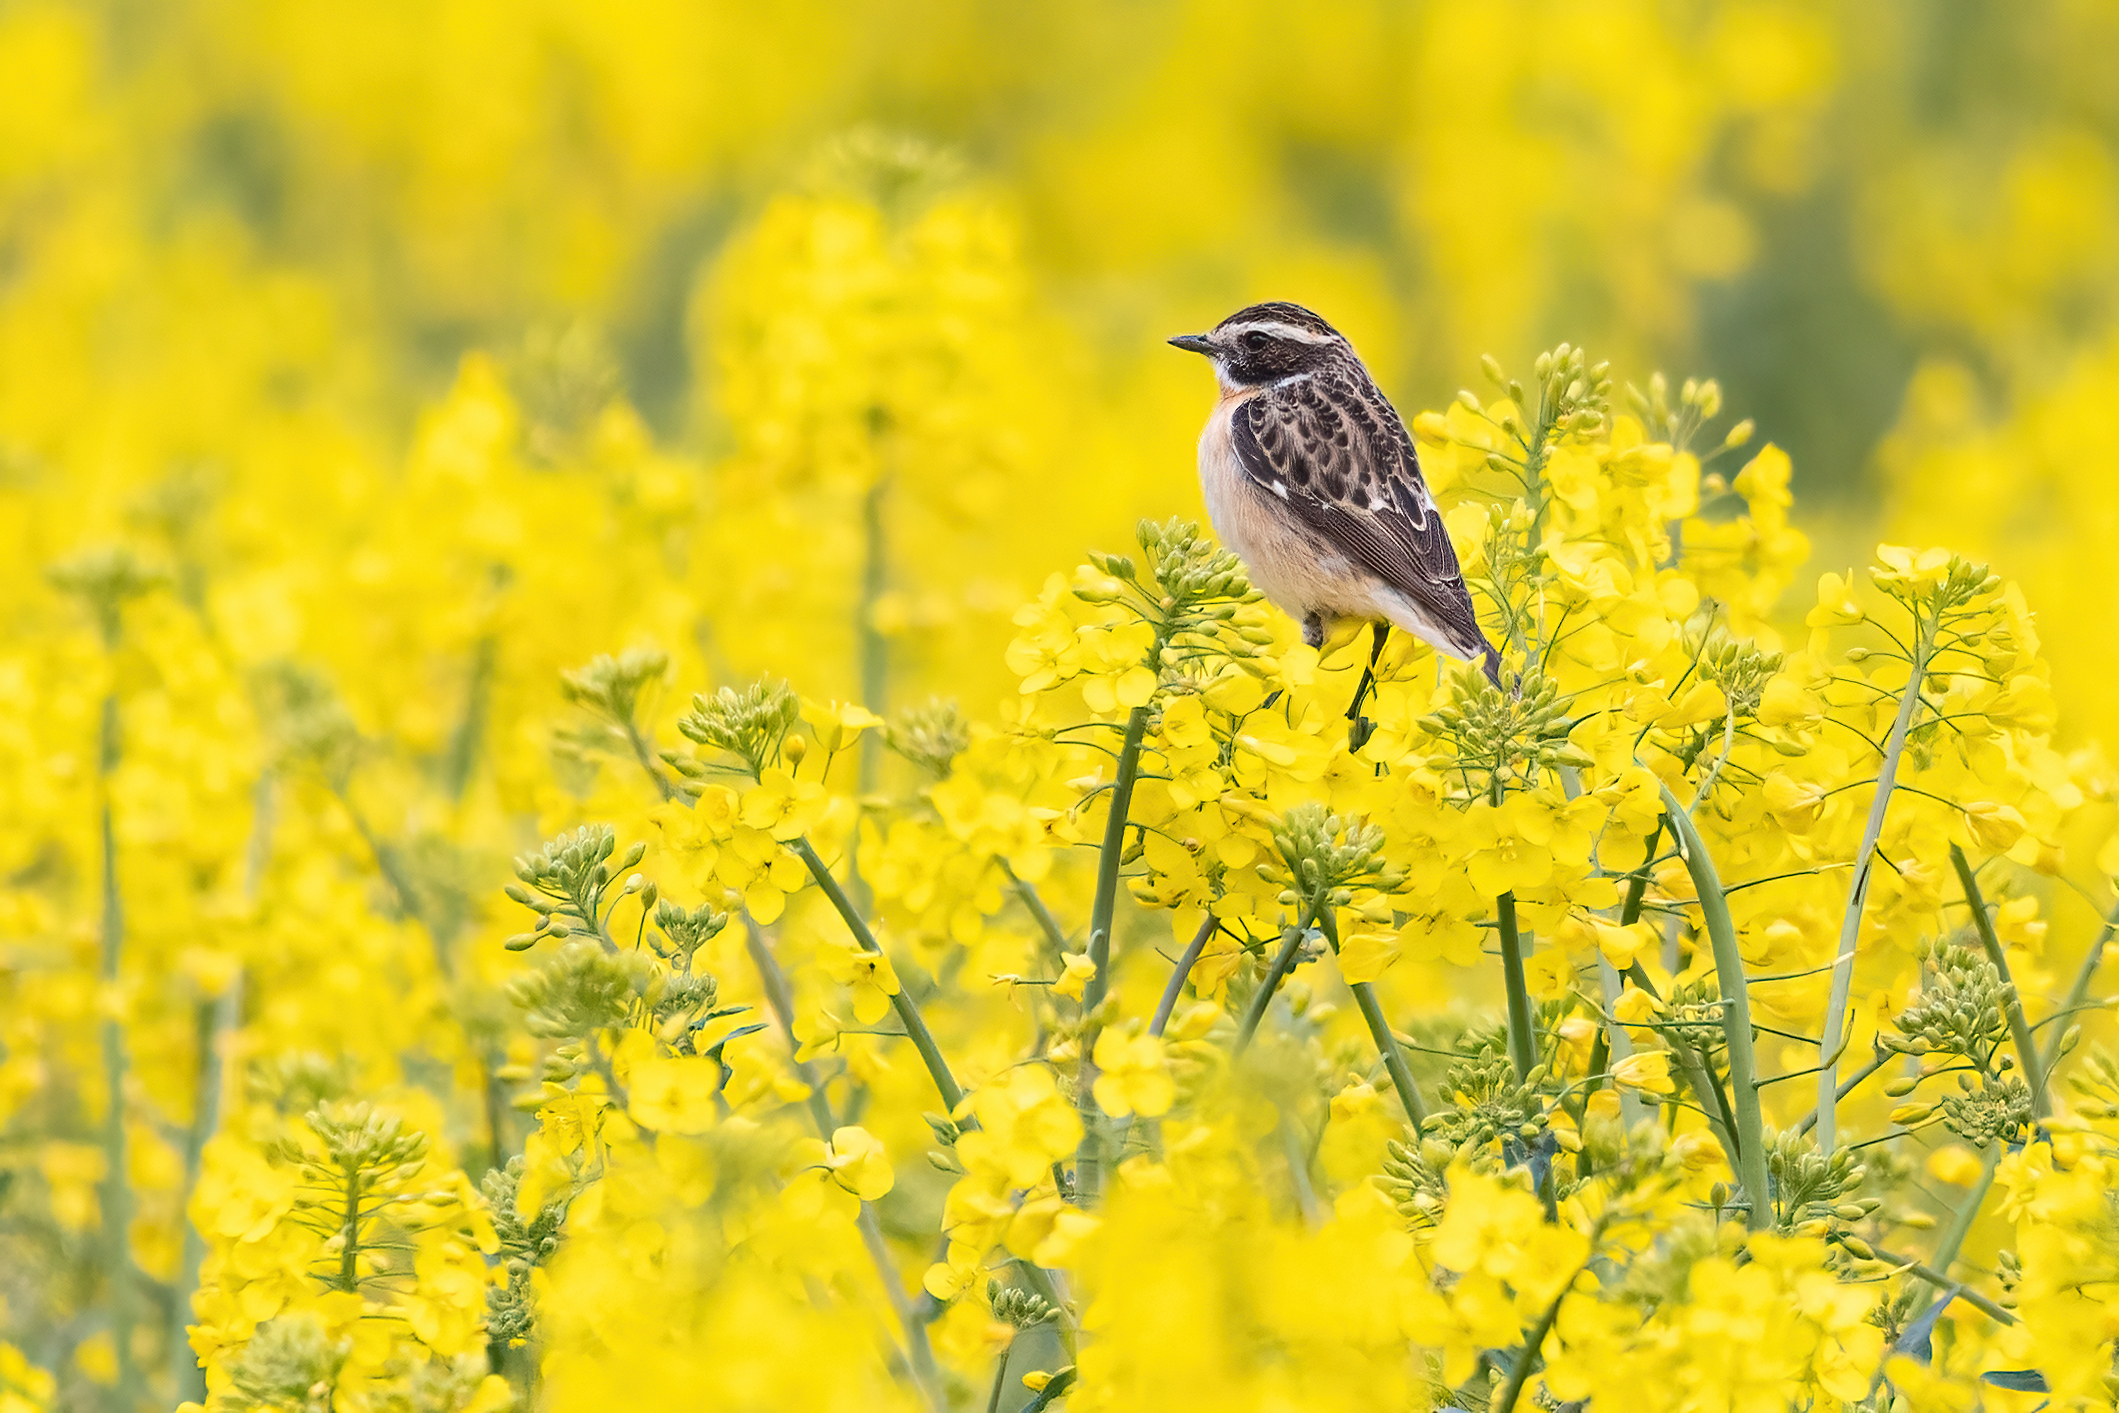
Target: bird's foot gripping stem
[{"x": 1362, "y": 728}]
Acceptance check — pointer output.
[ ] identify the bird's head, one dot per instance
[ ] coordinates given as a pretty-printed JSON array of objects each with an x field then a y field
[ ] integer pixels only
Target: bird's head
[{"x": 1267, "y": 342}]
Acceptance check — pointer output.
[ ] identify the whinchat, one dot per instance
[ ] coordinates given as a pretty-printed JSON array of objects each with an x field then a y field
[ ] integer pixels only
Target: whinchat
[{"x": 1311, "y": 478}]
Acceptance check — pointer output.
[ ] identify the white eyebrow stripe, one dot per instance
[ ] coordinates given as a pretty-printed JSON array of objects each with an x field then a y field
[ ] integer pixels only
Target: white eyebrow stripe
[{"x": 1281, "y": 330}]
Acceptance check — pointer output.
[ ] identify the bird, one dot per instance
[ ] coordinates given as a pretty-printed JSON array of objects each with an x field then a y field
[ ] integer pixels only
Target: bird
[{"x": 1311, "y": 478}]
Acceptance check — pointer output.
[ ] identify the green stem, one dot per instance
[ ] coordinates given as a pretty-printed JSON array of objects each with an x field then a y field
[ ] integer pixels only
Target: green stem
[
  {"x": 1380, "y": 1031},
  {"x": 926, "y": 1377},
  {"x": 1283, "y": 962},
  {"x": 1847, "y": 1086},
  {"x": 1178, "y": 973},
  {"x": 1393, "y": 1058},
  {"x": 1107, "y": 862},
  {"x": 645, "y": 755},
  {"x": 873, "y": 652},
  {"x": 1000, "y": 1377},
  {"x": 1749, "y": 1123},
  {"x": 1966, "y": 1213},
  {"x": 1857, "y": 900},
  {"x": 1089, "y": 1154},
  {"x": 1637, "y": 889},
  {"x": 349, "y": 1270},
  {"x": 387, "y": 864},
  {"x": 1505, "y": 1401},
  {"x": 218, "y": 1018},
  {"x": 462, "y": 754},
  {"x": 2084, "y": 975},
  {"x": 117, "y": 1190},
  {"x": 875, "y": 648},
  {"x": 1714, "y": 1104},
  {"x": 1522, "y": 1038},
  {"x": 1042, "y": 915},
  {"x": 777, "y": 999},
  {"x": 2019, "y": 1024},
  {"x": 1619, "y": 1044},
  {"x": 1599, "y": 1064},
  {"x": 908, "y": 1011},
  {"x": 1942, "y": 1282},
  {"x": 621, "y": 1097}
]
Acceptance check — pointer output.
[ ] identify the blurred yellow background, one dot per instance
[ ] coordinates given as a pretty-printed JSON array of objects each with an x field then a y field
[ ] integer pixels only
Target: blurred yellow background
[
  {"x": 430, "y": 349},
  {"x": 265, "y": 234}
]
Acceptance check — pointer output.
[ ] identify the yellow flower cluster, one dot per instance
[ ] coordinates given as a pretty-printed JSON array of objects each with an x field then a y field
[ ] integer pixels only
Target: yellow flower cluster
[
  {"x": 1176, "y": 971},
  {"x": 517, "y": 890}
]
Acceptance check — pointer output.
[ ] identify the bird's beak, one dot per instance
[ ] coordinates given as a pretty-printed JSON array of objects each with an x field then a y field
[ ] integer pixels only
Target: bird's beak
[{"x": 1192, "y": 343}]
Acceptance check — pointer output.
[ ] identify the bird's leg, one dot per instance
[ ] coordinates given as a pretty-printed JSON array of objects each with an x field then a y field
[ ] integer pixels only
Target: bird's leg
[
  {"x": 1358, "y": 734},
  {"x": 1313, "y": 629},
  {"x": 1368, "y": 674}
]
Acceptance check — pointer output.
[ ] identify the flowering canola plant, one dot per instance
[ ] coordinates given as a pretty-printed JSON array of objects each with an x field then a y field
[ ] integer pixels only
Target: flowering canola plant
[{"x": 1672, "y": 1026}]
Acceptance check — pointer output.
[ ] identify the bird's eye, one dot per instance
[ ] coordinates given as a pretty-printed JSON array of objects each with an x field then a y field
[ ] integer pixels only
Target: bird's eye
[{"x": 1255, "y": 341}]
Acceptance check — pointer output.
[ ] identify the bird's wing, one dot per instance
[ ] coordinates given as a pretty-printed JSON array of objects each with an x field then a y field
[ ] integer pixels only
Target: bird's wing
[{"x": 1337, "y": 454}]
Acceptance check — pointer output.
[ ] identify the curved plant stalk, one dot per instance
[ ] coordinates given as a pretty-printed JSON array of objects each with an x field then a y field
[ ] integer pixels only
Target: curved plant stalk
[
  {"x": 1713, "y": 1103},
  {"x": 1618, "y": 1044},
  {"x": 1511, "y": 1391},
  {"x": 117, "y": 1188},
  {"x": 1847, "y": 1086},
  {"x": 1828, "y": 1045},
  {"x": 908, "y": 1010},
  {"x": 1621, "y": 1043},
  {"x": 1386, "y": 1040},
  {"x": 1749, "y": 1125},
  {"x": 1182, "y": 970},
  {"x": 1089, "y": 1155},
  {"x": 218, "y": 1019},
  {"x": 2019, "y": 1024},
  {"x": 2084, "y": 975},
  {"x": 2000, "y": 1314},
  {"x": 1283, "y": 962},
  {"x": 875, "y": 648},
  {"x": 1000, "y": 1376},
  {"x": 1393, "y": 1057},
  {"x": 1522, "y": 1036},
  {"x": 1961, "y": 1224},
  {"x": 926, "y": 1376},
  {"x": 1108, "y": 857},
  {"x": 1042, "y": 915}
]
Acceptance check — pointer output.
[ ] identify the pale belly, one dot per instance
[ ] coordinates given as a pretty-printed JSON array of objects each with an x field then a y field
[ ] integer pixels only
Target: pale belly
[{"x": 1298, "y": 571}]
